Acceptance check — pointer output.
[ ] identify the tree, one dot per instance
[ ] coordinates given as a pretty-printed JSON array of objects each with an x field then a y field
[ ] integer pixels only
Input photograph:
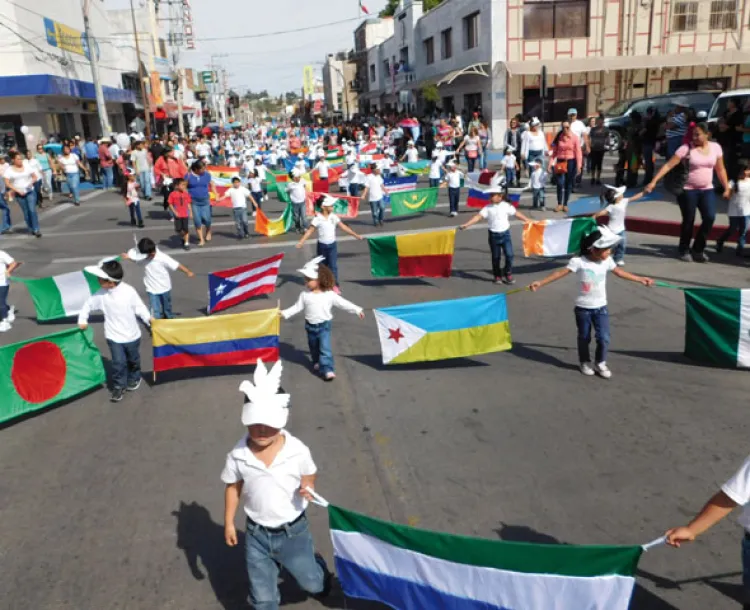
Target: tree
[
  {"x": 431, "y": 96},
  {"x": 390, "y": 8},
  {"x": 291, "y": 97}
]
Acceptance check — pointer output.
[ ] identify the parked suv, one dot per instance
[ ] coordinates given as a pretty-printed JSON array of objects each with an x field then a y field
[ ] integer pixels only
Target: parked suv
[
  {"x": 617, "y": 117},
  {"x": 740, "y": 96}
]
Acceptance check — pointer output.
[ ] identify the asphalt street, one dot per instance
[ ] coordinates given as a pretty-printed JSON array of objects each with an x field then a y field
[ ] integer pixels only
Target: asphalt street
[{"x": 120, "y": 506}]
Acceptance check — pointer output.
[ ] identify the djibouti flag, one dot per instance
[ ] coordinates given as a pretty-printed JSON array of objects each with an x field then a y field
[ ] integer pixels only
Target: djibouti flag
[
  {"x": 412, "y": 569},
  {"x": 717, "y": 326},
  {"x": 60, "y": 296}
]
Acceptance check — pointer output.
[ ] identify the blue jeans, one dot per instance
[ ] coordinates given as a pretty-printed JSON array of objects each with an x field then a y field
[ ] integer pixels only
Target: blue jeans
[
  {"x": 599, "y": 319},
  {"x": 434, "y": 183},
  {"x": 378, "y": 211},
  {"x": 738, "y": 224},
  {"x": 565, "y": 183},
  {"x": 135, "y": 213},
  {"x": 500, "y": 243},
  {"x": 290, "y": 547},
  {"x": 4, "y": 302},
  {"x": 201, "y": 215},
  {"x": 510, "y": 176},
  {"x": 144, "y": 181},
  {"x": 705, "y": 202},
  {"x": 5, "y": 221},
  {"x": 161, "y": 305},
  {"x": 108, "y": 177},
  {"x": 471, "y": 163},
  {"x": 354, "y": 190},
  {"x": 618, "y": 252},
  {"x": 258, "y": 198},
  {"x": 38, "y": 190},
  {"x": 331, "y": 254},
  {"x": 74, "y": 183},
  {"x": 126, "y": 363},
  {"x": 537, "y": 198},
  {"x": 240, "y": 221},
  {"x": 319, "y": 342},
  {"x": 298, "y": 216},
  {"x": 746, "y": 571},
  {"x": 27, "y": 203},
  {"x": 454, "y": 194}
]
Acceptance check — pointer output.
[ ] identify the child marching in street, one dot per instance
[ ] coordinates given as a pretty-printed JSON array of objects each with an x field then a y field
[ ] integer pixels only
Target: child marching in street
[
  {"x": 617, "y": 210},
  {"x": 298, "y": 196},
  {"x": 591, "y": 304},
  {"x": 497, "y": 214},
  {"x": 317, "y": 302},
  {"x": 325, "y": 223},
  {"x": 738, "y": 210},
  {"x": 255, "y": 182},
  {"x": 375, "y": 189},
  {"x": 180, "y": 208},
  {"x": 239, "y": 196},
  {"x": 7, "y": 314},
  {"x": 452, "y": 180},
  {"x": 121, "y": 306},
  {"x": 132, "y": 200},
  {"x": 538, "y": 184},
  {"x": 157, "y": 266}
]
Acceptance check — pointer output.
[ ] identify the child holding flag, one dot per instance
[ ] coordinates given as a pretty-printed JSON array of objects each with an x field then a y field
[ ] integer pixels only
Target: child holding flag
[
  {"x": 7, "y": 314},
  {"x": 325, "y": 223},
  {"x": 452, "y": 180},
  {"x": 617, "y": 210},
  {"x": 497, "y": 214},
  {"x": 255, "y": 182},
  {"x": 239, "y": 196},
  {"x": 591, "y": 304},
  {"x": 317, "y": 302},
  {"x": 375, "y": 189}
]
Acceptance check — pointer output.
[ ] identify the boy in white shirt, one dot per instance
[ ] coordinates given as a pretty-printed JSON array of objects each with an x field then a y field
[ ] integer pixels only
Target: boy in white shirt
[
  {"x": 375, "y": 189},
  {"x": 272, "y": 472},
  {"x": 7, "y": 314},
  {"x": 157, "y": 266},
  {"x": 412, "y": 154},
  {"x": 436, "y": 166},
  {"x": 322, "y": 166},
  {"x": 355, "y": 178},
  {"x": 453, "y": 179},
  {"x": 497, "y": 214},
  {"x": 617, "y": 210},
  {"x": 121, "y": 306},
  {"x": 510, "y": 163},
  {"x": 239, "y": 196},
  {"x": 538, "y": 184},
  {"x": 298, "y": 196}
]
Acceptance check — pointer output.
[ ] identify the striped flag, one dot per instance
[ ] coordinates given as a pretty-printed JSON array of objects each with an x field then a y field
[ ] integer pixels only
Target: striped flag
[
  {"x": 60, "y": 296},
  {"x": 477, "y": 199},
  {"x": 281, "y": 225},
  {"x": 413, "y": 254},
  {"x": 413, "y": 569},
  {"x": 555, "y": 237},
  {"x": 233, "y": 286}
]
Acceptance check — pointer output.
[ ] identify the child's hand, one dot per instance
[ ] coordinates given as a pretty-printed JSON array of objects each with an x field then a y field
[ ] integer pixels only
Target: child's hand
[
  {"x": 678, "y": 535},
  {"x": 647, "y": 281},
  {"x": 190, "y": 274},
  {"x": 299, "y": 245},
  {"x": 361, "y": 315},
  {"x": 124, "y": 256},
  {"x": 360, "y": 238},
  {"x": 83, "y": 326},
  {"x": 306, "y": 494},
  {"x": 461, "y": 227},
  {"x": 534, "y": 286},
  {"x": 279, "y": 314}
]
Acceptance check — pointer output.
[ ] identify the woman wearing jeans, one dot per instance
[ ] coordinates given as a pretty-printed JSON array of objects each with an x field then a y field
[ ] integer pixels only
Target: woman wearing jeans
[
  {"x": 703, "y": 158},
  {"x": 200, "y": 187},
  {"x": 533, "y": 144},
  {"x": 472, "y": 146},
  {"x": 71, "y": 165},
  {"x": 566, "y": 163},
  {"x": 19, "y": 180}
]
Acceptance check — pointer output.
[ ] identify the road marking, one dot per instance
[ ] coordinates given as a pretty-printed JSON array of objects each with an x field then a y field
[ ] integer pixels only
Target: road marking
[{"x": 61, "y": 207}]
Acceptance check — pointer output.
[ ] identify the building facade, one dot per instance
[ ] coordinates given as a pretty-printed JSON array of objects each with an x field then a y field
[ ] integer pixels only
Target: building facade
[{"x": 339, "y": 72}]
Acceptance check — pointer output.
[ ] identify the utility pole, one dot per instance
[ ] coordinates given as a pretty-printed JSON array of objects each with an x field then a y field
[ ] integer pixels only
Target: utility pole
[
  {"x": 175, "y": 42},
  {"x": 141, "y": 75},
  {"x": 180, "y": 119},
  {"x": 93, "y": 47}
]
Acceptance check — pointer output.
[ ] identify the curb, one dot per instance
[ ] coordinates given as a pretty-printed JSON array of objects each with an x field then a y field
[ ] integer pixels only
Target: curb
[{"x": 669, "y": 228}]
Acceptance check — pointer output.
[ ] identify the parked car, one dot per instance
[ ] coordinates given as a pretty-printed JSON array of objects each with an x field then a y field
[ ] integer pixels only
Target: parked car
[
  {"x": 741, "y": 96},
  {"x": 617, "y": 117}
]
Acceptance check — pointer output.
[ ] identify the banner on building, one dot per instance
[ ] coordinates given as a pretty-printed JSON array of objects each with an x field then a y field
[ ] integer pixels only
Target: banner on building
[
  {"x": 308, "y": 80},
  {"x": 67, "y": 39}
]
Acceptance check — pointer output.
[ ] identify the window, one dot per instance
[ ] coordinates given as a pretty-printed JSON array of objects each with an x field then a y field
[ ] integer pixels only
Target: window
[
  {"x": 403, "y": 56},
  {"x": 372, "y": 73},
  {"x": 685, "y": 16},
  {"x": 429, "y": 50},
  {"x": 448, "y": 105},
  {"x": 719, "y": 83},
  {"x": 471, "y": 31},
  {"x": 446, "y": 44},
  {"x": 555, "y": 19},
  {"x": 472, "y": 102},
  {"x": 559, "y": 100},
  {"x": 723, "y": 15}
]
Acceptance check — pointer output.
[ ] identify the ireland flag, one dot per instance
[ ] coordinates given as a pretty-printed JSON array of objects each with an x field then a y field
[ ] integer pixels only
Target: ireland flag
[
  {"x": 413, "y": 569},
  {"x": 61, "y": 296},
  {"x": 43, "y": 371},
  {"x": 717, "y": 327}
]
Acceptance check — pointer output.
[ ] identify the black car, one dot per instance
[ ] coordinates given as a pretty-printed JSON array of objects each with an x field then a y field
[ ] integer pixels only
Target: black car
[{"x": 617, "y": 117}]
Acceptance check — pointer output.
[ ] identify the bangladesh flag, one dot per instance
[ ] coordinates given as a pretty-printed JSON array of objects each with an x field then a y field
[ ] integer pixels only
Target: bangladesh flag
[
  {"x": 717, "y": 326},
  {"x": 41, "y": 372},
  {"x": 60, "y": 296},
  {"x": 413, "y": 202}
]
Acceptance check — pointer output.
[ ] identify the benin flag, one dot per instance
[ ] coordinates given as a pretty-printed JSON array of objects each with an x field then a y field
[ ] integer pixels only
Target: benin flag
[
  {"x": 60, "y": 296},
  {"x": 281, "y": 225},
  {"x": 413, "y": 255},
  {"x": 413, "y": 202},
  {"x": 40, "y": 372}
]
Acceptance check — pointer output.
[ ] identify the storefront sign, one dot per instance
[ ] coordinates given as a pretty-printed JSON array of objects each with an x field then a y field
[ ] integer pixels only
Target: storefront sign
[{"x": 67, "y": 38}]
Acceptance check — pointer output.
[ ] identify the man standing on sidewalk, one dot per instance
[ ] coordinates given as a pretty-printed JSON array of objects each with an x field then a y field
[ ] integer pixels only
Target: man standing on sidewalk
[
  {"x": 91, "y": 152},
  {"x": 272, "y": 471}
]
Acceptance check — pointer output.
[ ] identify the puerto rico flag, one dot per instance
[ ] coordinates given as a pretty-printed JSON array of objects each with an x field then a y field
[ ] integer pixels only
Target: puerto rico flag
[{"x": 233, "y": 286}]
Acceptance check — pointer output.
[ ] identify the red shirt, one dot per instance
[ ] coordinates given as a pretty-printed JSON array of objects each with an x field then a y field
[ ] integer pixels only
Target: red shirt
[{"x": 181, "y": 203}]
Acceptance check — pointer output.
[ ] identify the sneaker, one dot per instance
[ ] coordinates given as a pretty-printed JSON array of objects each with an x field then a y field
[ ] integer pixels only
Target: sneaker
[
  {"x": 700, "y": 257},
  {"x": 498, "y": 279},
  {"x": 11, "y": 317},
  {"x": 508, "y": 279},
  {"x": 719, "y": 246},
  {"x": 141, "y": 225},
  {"x": 330, "y": 376},
  {"x": 132, "y": 387},
  {"x": 5, "y": 326},
  {"x": 620, "y": 263},
  {"x": 38, "y": 234},
  {"x": 117, "y": 395},
  {"x": 586, "y": 369},
  {"x": 454, "y": 214},
  {"x": 186, "y": 247},
  {"x": 686, "y": 257},
  {"x": 603, "y": 370},
  {"x": 132, "y": 223}
]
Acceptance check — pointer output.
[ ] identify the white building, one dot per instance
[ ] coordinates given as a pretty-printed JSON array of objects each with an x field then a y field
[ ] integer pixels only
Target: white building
[{"x": 338, "y": 74}]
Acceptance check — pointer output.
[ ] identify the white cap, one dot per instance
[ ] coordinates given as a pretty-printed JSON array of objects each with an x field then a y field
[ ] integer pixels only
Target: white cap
[
  {"x": 96, "y": 270},
  {"x": 310, "y": 270},
  {"x": 265, "y": 405},
  {"x": 410, "y": 143},
  {"x": 439, "y": 145},
  {"x": 494, "y": 190}
]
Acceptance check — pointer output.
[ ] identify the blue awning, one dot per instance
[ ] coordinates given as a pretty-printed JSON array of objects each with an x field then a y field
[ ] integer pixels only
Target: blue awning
[{"x": 47, "y": 84}]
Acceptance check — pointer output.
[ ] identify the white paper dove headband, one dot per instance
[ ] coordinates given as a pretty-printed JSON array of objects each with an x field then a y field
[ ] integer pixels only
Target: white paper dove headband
[
  {"x": 97, "y": 270},
  {"x": 310, "y": 270},
  {"x": 264, "y": 404}
]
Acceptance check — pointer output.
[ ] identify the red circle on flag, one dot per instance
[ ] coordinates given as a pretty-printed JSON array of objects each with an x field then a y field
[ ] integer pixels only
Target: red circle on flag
[{"x": 38, "y": 371}]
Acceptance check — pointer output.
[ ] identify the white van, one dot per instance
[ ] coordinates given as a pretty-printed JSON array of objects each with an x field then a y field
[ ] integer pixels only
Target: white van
[{"x": 741, "y": 96}]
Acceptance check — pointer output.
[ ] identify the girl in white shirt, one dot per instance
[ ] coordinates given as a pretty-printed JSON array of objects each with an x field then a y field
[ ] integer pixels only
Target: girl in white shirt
[
  {"x": 617, "y": 210},
  {"x": 71, "y": 166},
  {"x": 325, "y": 223},
  {"x": 738, "y": 210},
  {"x": 318, "y": 302},
  {"x": 591, "y": 305},
  {"x": 132, "y": 200}
]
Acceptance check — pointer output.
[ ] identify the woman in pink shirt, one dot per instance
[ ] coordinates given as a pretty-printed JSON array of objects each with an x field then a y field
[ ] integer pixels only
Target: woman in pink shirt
[
  {"x": 702, "y": 157},
  {"x": 566, "y": 163}
]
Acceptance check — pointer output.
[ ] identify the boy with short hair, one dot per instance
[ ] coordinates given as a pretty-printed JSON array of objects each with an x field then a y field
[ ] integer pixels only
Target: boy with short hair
[
  {"x": 157, "y": 266},
  {"x": 179, "y": 205},
  {"x": 537, "y": 184},
  {"x": 239, "y": 196},
  {"x": 7, "y": 314},
  {"x": 121, "y": 306}
]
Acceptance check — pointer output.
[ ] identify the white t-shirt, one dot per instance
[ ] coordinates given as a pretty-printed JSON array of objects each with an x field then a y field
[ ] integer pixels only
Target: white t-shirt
[
  {"x": 578, "y": 127},
  {"x": 120, "y": 306},
  {"x": 509, "y": 161},
  {"x": 412, "y": 155},
  {"x": 318, "y": 306},
  {"x": 454, "y": 178},
  {"x": 435, "y": 166},
  {"x": 238, "y": 196},
  {"x": 322, "y": 167},
  {"x": 326, "y": 227},
  {"x": 497, "y": 215},
  {"x": 5, "y": 261},
  {"x": 155, "y": 270},
  {"x": 738, "y": 489},
  {"x": 592, "y": 281},
  {"x": 297, "y": 191},
  {"x": 69, "y": 163},
  {"x": 617, "y": 212},
  {"x": 256, "y": 185},
  {"x": 270, "y": 494},
  {"x": 203, "y": 149},
  {"x": 374, "y": 185},
  {"x": 739, "y": 204},
  {"x": 21, "y": 179},
  {"x": 538, "y": 178}
]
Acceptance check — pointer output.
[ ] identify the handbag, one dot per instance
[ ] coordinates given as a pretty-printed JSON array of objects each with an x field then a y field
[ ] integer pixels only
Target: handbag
[
  {"x": 472, "y": 154},
  {"x": 561, "y": 167}
]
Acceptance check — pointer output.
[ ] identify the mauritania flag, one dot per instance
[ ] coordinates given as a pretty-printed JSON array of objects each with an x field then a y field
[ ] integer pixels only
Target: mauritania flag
[
  {"x": 279, "y": 226},
  {"x": 60, "y": 296},
  {"x": 413, "y": 569},
  {"x": 717, "y": 326},
  {"x": 413, "y": 202},
  {"x": 413, "y": 254},
  {"x": 555, "y": 237},
  {"x": 436, "y": 330}
]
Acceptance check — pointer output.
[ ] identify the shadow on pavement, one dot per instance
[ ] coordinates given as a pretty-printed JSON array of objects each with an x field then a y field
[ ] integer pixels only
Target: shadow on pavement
[
  {"x": 529, "y": 351},
  {"x": 375, "y": 361},
  {"x": 396, "y": 281}
]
